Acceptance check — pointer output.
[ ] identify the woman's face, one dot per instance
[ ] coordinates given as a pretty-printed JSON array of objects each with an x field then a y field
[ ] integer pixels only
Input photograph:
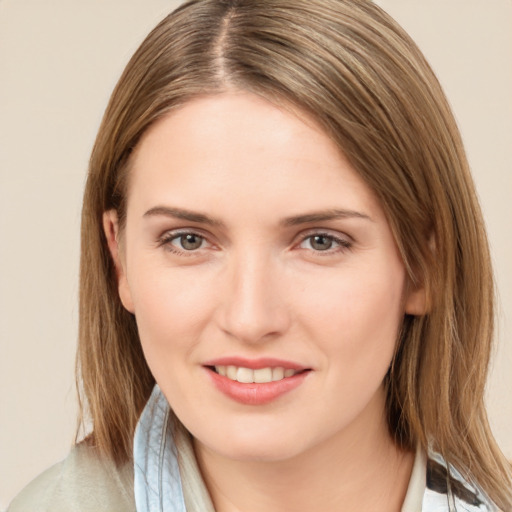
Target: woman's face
[{"x": 254, "y": 252}]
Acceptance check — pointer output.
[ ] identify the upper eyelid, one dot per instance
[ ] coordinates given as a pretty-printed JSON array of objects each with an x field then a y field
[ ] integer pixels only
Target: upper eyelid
[
  {"x": 170, "y": 234},
  {"x": 326, "y": 232},
  {"x": 166, "y": 242},
  {"x": 341, "y": 242}
]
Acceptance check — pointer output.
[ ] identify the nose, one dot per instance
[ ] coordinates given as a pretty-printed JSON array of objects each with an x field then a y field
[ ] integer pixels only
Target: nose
[{"x": 254, "y": 308}]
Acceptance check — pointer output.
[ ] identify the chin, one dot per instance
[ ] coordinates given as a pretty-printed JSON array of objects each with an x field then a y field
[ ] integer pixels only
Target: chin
[
  {"x": 261, "y": 443},
  {"x": 250, "y": 452}
]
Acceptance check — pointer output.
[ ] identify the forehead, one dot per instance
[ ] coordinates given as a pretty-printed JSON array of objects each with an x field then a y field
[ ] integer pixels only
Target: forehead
[{"x": 238, "y": 146}]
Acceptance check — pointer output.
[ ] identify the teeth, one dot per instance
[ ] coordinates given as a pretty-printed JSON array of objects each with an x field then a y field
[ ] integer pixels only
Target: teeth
[
  {"x": 231, "y": 372},
  {"x": 245, "y": 375},
  {"x": 260, "y": 376},
  {"x": 277, "y": 374}
]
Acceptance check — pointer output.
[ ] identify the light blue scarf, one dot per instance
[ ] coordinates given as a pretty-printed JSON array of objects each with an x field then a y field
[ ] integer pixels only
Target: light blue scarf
[{"x": 157, "y": 483}]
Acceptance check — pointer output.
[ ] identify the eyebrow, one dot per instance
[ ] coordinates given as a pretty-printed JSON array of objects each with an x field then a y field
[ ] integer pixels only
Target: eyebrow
[
  {"x": 179, "y": 213},
  {"x": 201, "y": 218},
  {"x": 324, "y": 215}
]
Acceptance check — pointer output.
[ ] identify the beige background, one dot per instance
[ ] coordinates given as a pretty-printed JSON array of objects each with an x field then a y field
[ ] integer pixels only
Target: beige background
[{"x": 59, "y": 60}]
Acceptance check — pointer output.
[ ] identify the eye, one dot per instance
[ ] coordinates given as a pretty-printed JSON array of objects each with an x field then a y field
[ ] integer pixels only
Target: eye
[
  {"x": 322, "y": 242},
  {"x": 189, "y": 241},
  {"x": 184, "y": 242}
]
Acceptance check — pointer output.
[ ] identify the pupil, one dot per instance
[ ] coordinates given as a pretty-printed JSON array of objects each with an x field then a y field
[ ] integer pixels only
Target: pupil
[
  {"x": 190, "y": 242},
  {"x": 321, "y": 243}
]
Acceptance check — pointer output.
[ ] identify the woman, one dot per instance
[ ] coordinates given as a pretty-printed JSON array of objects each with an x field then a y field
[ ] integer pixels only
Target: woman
[{"x": 278, "y": 229}]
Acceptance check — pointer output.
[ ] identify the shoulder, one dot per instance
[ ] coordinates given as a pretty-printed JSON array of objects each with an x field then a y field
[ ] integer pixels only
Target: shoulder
[{"x": 82, "y": 482}]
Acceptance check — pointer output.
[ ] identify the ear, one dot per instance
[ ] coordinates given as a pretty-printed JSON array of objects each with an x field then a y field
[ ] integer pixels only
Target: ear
[
  {"x": 417, "y": 297},
  {"x": 111, "y": 228},
  {"x": 416, "y": 300}
]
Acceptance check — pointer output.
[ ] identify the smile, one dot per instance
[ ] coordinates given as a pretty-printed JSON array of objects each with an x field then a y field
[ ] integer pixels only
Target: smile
[
  {"x": 255, "y": 382},
  {"x": 259, "y": 376}
]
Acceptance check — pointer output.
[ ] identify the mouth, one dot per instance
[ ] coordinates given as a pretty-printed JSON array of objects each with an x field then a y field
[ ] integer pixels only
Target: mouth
[
  {"x": 258, "y": 376},
  {"x": 255, "y": 382}
]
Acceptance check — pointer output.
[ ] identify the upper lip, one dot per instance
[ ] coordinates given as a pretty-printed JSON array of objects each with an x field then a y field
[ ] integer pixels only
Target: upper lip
[{"x": 255, "y": 364}]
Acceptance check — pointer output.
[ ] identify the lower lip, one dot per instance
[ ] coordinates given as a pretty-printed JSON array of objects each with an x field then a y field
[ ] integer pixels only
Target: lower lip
[{"x": 253, "y": 393}]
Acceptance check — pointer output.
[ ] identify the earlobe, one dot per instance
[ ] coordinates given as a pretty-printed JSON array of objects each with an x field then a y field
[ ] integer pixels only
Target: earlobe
[
  {"x": 418, "y": 297},
  {"x": 111, "y": 229},
  {"x": 416, "y": 302}
]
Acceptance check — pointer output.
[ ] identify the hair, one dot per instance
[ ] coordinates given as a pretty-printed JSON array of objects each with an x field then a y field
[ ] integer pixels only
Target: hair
[{"x": 360, "y": 76}]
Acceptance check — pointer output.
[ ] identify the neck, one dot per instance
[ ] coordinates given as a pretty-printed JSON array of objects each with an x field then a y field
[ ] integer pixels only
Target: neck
[{"x": 358, "y": 469}]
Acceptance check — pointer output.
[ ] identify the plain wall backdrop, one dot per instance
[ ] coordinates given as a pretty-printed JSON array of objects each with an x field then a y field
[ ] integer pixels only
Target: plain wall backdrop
[{"x": 59, "y": 60}]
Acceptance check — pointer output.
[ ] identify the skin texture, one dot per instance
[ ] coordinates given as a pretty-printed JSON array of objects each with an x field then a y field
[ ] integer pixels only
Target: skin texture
[{"x": 256, "y": 286}]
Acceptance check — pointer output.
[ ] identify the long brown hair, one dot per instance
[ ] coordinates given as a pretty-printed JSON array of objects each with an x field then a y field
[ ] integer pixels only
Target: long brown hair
[{"x": 351, "y": 67}]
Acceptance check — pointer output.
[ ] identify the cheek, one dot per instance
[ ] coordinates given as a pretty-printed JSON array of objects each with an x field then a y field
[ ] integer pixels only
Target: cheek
[
  {"x": 356, "y": 316},
  {"x": 354, "y": 319},
  {"x": 172, "y": 310},
  {"x": 171, "y": 307}
]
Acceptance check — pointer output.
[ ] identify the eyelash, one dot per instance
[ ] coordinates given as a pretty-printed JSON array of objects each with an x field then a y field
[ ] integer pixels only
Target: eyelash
[
  {"x": 167, "y": 238},
  {"x": 342, "y": 243}
]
